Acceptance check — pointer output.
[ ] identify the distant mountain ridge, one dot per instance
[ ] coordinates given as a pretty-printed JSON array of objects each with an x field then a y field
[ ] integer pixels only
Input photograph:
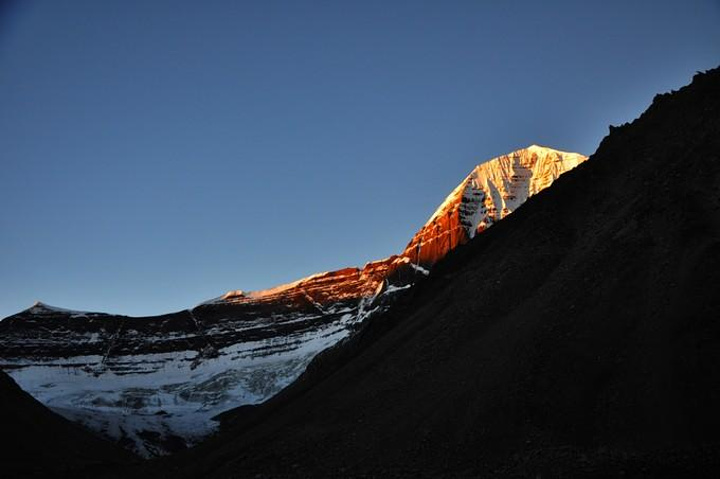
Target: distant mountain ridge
[{"x": 154, "y": 383}]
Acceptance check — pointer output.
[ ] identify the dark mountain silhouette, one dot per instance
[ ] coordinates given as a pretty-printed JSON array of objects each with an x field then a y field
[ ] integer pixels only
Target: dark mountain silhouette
[
  {"x": 577, "y": 338},
  {"x": 39, "y": 443}
]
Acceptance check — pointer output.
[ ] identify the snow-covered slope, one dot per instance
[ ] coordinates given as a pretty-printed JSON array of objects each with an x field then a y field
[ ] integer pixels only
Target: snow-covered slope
[{"x": 154, "y": 383}]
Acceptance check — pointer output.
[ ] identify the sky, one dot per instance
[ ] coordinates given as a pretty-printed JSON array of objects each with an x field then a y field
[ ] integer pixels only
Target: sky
[{"x": 154, "y": 155}]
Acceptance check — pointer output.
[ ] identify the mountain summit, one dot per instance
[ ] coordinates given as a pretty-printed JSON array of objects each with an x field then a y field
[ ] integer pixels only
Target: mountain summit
[{"x": 493, "y": 190}]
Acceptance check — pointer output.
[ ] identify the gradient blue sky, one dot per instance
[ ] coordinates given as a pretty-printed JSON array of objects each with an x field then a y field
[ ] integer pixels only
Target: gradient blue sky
[{"x": 158, "y": 153}]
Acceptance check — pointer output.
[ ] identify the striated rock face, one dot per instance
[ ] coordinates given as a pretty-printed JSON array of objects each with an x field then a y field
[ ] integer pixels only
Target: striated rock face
[{"x": 154, "y": 383}]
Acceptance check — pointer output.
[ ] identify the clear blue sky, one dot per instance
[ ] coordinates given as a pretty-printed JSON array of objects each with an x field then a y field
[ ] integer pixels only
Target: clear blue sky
[{"x": 158, "y": 153}]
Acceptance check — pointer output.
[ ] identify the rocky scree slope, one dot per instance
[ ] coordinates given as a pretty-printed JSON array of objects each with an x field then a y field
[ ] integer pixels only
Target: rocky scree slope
[{"x": 576, "y": 338}]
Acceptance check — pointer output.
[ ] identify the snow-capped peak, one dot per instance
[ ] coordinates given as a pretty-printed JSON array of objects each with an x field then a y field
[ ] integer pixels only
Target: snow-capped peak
[
  {"x": 491, "y": 191},
  {"x": 40, "y": 308}
]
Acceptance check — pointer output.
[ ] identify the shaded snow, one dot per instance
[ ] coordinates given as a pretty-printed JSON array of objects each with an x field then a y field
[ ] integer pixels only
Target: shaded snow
[{"x": 174, "y": 393}]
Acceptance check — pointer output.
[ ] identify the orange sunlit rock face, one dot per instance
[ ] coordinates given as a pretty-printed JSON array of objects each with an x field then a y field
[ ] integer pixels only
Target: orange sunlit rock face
[
  {"x": 321, "y": 288},
  {"x": 492, "y": 191}
]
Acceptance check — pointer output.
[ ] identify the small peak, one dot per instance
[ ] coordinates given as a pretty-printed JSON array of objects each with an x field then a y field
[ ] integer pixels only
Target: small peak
[
  {"x": 536, "y": 147},
  {"x": 540, "y": 149},
  {"x": 38, "y": 307},
  {"x": 41, "y": 308},
  {"x": 237, "y": 293}
]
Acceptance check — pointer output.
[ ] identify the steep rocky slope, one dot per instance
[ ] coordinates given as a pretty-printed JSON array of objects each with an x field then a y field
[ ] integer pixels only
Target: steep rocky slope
[
  {"x": 39, "y": 443},
  {"x": 577, "y": 338},
  {"x": 154, "y": 383}
]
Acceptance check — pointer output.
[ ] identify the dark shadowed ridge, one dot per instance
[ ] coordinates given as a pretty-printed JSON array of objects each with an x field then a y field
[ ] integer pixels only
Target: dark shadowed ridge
[
  {"x": 39, "y": 443},
  {"x": 577, "y": 338}
]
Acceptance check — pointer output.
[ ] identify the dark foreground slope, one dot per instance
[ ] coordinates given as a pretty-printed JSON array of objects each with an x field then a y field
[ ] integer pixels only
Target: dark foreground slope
[
  {"x": 578, "y": 338},
  {"x": 38, "y": 443}
]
